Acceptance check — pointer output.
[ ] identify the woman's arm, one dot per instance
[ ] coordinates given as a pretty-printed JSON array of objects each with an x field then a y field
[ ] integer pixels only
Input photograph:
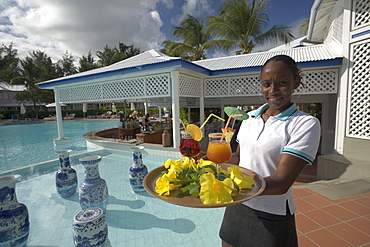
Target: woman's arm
[
  {"x": 235, "y": 157},
  {"x": 289, "y": 167}
]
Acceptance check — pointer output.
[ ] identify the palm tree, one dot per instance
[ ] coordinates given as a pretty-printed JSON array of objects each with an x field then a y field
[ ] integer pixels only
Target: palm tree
[
  {"x": 240, "y": 23},
  {"x": 109, "y": 56},
  {"x": 303, "y": 28},
  {"x": 195, "y": 40},
  {"x": 30, "y": 74},
  {"x": 87, "y": 63}
]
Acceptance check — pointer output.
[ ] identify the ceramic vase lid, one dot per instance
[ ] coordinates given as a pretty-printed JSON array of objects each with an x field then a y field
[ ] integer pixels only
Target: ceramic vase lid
[{"x": 90, "y": 159}]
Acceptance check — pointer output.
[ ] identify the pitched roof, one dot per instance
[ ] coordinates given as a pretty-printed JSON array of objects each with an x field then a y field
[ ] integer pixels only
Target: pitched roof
[
  {"x": 4, "y": 86},
  {"x": 300, "y": 54},
  {"x": 145, "y": 58}
]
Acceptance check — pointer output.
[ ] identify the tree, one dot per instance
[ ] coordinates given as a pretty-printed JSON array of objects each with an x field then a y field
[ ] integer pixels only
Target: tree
[
  {"x": 129, "y": 50},
  {"x": 87, "y": 63},
  {"x": 66, "y": 66},
  {"x": 42, "y": 61},
  {"x": 35, "y": 68},
  {"x": 240, "y": 24},
  {"x": 196, "y": 40},
  {"x": 109, "y": 56},
  {"x": 8, "y": 63},
  {"x": 303, "y": 28}
]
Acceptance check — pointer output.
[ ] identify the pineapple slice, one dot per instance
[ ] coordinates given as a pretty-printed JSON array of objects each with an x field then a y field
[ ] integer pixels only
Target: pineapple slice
[{"x": 229, "y": 133}]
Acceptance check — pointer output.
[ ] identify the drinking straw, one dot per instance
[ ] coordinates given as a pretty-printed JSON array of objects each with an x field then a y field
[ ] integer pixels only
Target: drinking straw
[
  {"x": 227, "y": 124},
  {"x": 210, "y": 115},
  {"x": 182, "y": 123}
]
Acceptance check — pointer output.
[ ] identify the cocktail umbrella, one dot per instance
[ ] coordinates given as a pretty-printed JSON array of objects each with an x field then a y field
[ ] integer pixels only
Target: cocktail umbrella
[{"x": 235, "y": 111}]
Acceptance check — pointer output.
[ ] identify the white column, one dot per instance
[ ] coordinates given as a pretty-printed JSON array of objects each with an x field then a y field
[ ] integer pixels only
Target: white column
[
  {"x": 146, "y": 107},
  {"x": 343, "y": 84},
  {"x": 201, "y": 105},
  {"x": 189, "y": 111},
  {"x": 223, "y": 113},
  {"x": 160, "y": 113},
  {"x": 175, "y": 108},
  {"x": 58, "y": 110},
  {"x": 61, "y": 142}
]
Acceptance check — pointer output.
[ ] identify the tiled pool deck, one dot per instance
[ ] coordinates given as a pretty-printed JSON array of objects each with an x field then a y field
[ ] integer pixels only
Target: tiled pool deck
[{"x": 142, "y": 220}]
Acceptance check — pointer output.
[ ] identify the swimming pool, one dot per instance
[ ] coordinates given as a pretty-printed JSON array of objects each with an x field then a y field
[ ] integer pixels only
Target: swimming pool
[
  {"x": 135, "y": 220},
  {"x": 23, "y": 144}
]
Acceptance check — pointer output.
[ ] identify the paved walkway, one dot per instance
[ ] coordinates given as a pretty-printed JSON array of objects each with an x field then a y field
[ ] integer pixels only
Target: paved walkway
[
  {"x": 322, "y": 221},
  {"x": 330, "y": 214}
]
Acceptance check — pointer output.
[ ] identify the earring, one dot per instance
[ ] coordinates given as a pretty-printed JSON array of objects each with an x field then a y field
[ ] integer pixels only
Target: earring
[{"x": 261, "y": 98}]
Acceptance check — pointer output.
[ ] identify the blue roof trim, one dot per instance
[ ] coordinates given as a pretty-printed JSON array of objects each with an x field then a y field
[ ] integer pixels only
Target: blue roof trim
[
  {"x": 175, "y": 64},
  {"x": 236, "y": 71},
  {"x": 321, "y": 63},
  {"x": 360, "y": 34},
  {"x": 148, "y": 67}
]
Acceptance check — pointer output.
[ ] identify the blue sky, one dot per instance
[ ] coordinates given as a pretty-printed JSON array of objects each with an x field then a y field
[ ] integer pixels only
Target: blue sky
[{"x": 55, "y": 26}]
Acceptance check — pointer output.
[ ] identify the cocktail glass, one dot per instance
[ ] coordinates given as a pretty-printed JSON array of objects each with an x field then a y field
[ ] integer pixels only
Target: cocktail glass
[
  {"x": 188, "y": 146},
  {"x": 218, "y": 151}
]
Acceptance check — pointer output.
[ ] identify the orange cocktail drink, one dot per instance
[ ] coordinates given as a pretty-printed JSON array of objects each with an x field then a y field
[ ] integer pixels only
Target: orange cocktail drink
[{"x": 219, "y": 152}]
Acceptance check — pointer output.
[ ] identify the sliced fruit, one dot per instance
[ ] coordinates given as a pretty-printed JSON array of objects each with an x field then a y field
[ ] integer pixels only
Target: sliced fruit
[
  {"x": 195, "y": 132},
  {"x": 229, "y": 133}
]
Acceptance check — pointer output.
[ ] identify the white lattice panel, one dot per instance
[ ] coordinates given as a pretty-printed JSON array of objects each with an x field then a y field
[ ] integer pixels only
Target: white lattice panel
[
  {"x": 319, "y": 81},
  {"x": 359, "y": 113},
  {"x": 362, "y": 13},
  {"x": 315, "y": 81},
  {"x": 138, "y": 87},
  {"x": 130, "y": 88},
  {"x": 216, "y": 87},
  {"x": 85, "y": 93},
  {"x": 64, "y": 95},
  {"x": 158, "y": 85},
  {"x": 238, "y": 85},
  {"x": 189, "y": 86}
]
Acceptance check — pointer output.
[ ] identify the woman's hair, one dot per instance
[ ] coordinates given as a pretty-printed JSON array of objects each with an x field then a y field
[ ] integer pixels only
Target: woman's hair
[{"x": 288, "y": 61}]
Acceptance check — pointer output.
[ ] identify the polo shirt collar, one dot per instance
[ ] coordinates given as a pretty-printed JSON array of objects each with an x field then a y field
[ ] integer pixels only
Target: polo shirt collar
[{"x": 283, "y": 116}]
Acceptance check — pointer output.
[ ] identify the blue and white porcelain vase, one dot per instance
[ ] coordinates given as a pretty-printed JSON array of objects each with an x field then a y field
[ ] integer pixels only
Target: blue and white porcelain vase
[
  {"x": 93, "y": 191},
  {"x": 14, "y": 219},
  {"x": 66, "y": 176},
  {"x": 138, "y": 170},
  {"x": 90, "y": 228}
]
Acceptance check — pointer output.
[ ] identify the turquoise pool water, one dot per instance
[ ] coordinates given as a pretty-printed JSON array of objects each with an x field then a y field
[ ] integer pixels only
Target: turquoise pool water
[
  {"x": 135, "y": 220},
  {"x": 23, "y": 144}
]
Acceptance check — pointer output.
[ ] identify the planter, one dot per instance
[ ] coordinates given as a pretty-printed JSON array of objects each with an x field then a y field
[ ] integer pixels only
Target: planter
[
  {"x": 65, "y": 177},
  {"x": 138, "y": 170},
  {"x": 14, "y": 219},
  {"x": 93, "y": 191},
  {"x": 90, "y": 228}
]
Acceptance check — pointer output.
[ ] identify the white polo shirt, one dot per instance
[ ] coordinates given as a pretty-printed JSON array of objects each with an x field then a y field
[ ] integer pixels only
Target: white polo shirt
[{"x": 261, "y": 144}]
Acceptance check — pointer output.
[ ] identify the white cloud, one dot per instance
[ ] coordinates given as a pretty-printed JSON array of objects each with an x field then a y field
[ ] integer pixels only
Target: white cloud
[
  {"x": 55, "y": 26},
  {"x": 196, "y": 8}
]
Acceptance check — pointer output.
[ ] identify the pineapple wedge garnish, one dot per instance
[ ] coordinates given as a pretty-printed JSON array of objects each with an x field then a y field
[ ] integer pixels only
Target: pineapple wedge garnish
[{"x": 229, "y": 133}]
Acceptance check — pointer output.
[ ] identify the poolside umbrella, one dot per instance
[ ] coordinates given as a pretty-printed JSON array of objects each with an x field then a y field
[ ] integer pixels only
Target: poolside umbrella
[
  {"x": 23, "y": 110},
  {"x": 84, "y": 108},
  {"x": 53, "y": 104},
  {"x": 132, "y": 106},
  {"x": 114, "y": 109},
  {"x": 234, "y": 111}
]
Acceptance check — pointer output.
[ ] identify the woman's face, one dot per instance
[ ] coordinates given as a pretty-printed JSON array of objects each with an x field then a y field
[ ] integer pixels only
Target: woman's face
[{"x": 277, "y": 87}]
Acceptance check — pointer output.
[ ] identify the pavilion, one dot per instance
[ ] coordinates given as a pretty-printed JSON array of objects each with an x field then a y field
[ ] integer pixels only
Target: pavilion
[{"x": 334, "y": 58}]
